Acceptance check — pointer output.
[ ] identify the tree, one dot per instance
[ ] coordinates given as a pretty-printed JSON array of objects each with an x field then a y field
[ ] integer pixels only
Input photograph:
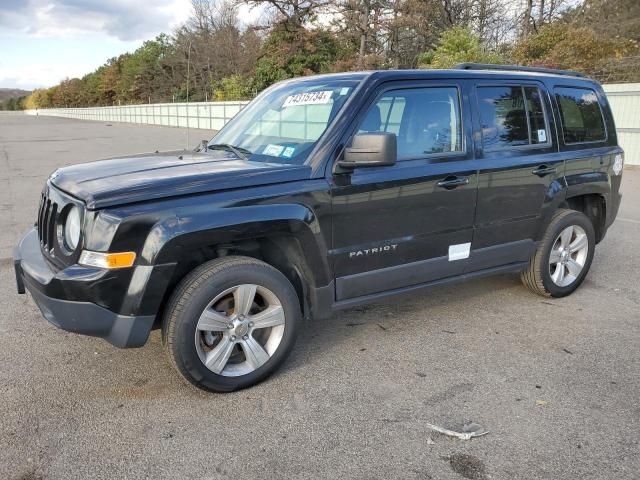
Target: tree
[
  {"x": 458, "y": 45},
  {"x": 210, "y": 47},
  {"x": 235, "y": 87},
  {"x": 14, "y": 103},
  {"x": 292, "y": 15},
  {"x": 281, "y": 58},
  {"x": 608, "y": 18},
  {"x": 565, "y": 46}
]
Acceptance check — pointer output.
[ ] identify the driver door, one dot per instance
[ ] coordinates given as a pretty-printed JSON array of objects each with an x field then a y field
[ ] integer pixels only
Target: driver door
[{"x": 411, "y": 223}]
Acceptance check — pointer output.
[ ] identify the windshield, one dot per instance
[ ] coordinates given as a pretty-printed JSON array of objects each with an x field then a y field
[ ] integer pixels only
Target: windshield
[{"x": 283, "y": 124}]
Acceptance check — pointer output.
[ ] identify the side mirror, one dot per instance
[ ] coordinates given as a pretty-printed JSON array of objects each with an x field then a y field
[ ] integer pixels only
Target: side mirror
[
  {"x": 370, "y": 150},
  {"x": 202, "y": 146}
]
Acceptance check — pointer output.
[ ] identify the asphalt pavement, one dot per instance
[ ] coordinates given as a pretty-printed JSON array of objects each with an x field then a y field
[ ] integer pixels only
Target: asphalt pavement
[{"x": 555, "y": 381}]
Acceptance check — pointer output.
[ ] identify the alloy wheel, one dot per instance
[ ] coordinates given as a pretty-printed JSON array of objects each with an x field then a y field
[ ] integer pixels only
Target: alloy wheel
[
  {"x": 568, "y": 255},
  {"x": 239, "y": 330}
]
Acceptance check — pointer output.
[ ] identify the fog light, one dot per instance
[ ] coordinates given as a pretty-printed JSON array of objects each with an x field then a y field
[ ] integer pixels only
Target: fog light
[{"x": 107, "y": 260}]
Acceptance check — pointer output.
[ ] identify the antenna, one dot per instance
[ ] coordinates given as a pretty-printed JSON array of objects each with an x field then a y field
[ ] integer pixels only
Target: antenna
[{"x": 188, "y": 69}]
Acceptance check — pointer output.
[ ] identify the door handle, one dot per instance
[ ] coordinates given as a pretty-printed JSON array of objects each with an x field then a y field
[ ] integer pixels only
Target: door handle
[
  {"x": 453, "y": 182},
  {"x": 543, "y": 170}
]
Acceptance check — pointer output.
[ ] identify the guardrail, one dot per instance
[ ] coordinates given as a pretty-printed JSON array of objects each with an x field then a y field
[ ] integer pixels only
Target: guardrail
[{"x": 205, "y": 115}]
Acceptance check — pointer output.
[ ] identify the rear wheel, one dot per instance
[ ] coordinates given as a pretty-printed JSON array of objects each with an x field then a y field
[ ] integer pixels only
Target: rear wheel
[
  {"x": 563, "y": 257},
  {"x": 231, "y": 323}
]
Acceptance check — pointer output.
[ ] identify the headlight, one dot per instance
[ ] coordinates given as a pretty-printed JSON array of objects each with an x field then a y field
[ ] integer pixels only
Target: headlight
[{"x": 72, "y": 229}]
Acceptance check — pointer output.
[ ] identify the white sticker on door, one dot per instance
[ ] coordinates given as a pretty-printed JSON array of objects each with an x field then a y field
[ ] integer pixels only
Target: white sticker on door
[
  {"x": 459, "y": 252},
  {"x": 542, "y": 135}
]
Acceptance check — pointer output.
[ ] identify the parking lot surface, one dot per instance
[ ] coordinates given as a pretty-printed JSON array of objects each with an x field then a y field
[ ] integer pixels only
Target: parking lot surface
[{"x": 555, "y": 381}]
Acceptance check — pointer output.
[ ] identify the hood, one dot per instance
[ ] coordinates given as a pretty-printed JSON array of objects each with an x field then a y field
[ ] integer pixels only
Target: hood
[{"x": 151, "y": 176}]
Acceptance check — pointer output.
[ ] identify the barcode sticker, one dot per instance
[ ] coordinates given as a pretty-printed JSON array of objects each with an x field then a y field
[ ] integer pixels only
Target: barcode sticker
[
  {"x": 273, "y": 150},
  {"x": 542, "y": 135}
]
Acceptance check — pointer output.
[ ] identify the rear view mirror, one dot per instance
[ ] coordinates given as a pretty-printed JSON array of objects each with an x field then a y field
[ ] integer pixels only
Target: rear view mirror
[{"x": 370, "y": 150}]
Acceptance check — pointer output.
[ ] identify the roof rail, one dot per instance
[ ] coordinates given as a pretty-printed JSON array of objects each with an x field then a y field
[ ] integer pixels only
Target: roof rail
[{"x": 516, "y": 68}]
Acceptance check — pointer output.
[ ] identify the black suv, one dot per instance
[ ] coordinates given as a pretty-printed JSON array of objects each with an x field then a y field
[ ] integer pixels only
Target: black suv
[{"x": 323, "y": 193}]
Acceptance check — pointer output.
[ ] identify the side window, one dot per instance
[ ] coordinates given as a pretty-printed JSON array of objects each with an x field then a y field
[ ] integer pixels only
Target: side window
[
  {"x": 391, "y": 109},
  {"x": 581, "y": 115},
  {"x": 512, "y": 116},
  {"x": 425, "y": 120},
  {"x": 503, "y": 116}
]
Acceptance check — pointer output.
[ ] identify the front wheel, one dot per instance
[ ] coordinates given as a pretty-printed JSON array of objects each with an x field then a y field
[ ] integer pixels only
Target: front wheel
[
  {"x": 230, "y": 323},
  {"x": 563, "y": 257}
]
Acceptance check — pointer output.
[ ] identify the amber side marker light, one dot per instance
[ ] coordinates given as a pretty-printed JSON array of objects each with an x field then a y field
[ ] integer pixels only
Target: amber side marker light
[{"x": 107, "y": 260}]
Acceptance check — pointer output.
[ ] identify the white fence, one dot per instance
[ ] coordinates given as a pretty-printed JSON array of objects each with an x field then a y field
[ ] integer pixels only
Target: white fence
[
  {"x": 205, "y": 115},
  {"x": 624, "y": 99}
]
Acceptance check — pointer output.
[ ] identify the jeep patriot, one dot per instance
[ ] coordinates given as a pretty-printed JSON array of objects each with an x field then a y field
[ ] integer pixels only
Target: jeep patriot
[{"x": 323, "y": 193}]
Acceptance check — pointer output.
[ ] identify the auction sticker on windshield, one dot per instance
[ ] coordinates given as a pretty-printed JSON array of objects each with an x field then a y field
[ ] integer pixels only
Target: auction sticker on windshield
[
  {"x": 311, "y": 98},
  {"x": 273, "y": 150},
  {"x": 288, "y": 152}
]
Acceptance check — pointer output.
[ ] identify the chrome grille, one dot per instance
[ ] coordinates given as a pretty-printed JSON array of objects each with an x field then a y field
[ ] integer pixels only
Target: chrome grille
[
  {"x": 53, "y": 206},
  {"x": 47, "y": 222}
]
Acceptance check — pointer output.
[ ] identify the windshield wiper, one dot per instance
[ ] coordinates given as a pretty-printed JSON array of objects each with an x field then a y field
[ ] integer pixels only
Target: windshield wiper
[{"x": 237, "y": 151}]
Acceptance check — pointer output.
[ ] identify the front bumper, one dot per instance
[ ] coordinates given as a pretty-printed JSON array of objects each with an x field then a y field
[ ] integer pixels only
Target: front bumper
[{"x": 49, "y": 288}]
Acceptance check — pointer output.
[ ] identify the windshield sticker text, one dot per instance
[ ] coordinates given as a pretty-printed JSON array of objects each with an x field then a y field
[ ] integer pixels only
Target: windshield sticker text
[{"x": 312, "y": 98}]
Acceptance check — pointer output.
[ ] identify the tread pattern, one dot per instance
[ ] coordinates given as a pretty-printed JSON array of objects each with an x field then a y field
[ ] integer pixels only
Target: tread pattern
[
  {"x": 532, "y": 276},
  {"x": 186, "y": 289}
]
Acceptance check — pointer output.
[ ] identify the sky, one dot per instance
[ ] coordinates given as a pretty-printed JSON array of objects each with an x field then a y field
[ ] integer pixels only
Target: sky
[{"x": 44, "y": 41}]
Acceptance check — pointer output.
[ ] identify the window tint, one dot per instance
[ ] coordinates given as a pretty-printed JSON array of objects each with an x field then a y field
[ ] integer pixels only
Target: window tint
[
  {"x": 511, "y": 116},
  {"x": 425, "y": 120},
  {"x": 581, "y": 115}
]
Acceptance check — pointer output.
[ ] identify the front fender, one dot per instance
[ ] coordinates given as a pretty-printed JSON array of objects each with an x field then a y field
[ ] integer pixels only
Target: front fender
[{"x": 210, "y": 225}]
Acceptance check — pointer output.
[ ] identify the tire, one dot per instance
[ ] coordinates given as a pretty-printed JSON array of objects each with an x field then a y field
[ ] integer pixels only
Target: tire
[
  {"x": 202, "y": 323},
  {"x": 559, "y": 276}
]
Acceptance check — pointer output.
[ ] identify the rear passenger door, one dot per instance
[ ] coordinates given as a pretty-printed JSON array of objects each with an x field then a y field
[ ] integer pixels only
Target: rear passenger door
[{"x": 519, "y": 169}]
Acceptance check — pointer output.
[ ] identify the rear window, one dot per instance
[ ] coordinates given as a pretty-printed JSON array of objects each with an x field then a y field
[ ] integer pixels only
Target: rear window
[
  {"x": 512, "y": 117},
  {"x": 581, "y": 115}
]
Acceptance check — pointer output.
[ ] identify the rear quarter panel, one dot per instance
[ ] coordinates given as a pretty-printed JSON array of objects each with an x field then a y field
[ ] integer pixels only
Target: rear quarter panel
[{"x": 589, "y": 166}]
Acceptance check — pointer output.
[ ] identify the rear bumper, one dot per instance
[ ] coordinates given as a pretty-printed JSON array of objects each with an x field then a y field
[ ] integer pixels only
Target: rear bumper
[
  {"x": 616, "y": 199},
  {"x": 47, "y": 288},
  {"x": 613, "y": 206}
]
